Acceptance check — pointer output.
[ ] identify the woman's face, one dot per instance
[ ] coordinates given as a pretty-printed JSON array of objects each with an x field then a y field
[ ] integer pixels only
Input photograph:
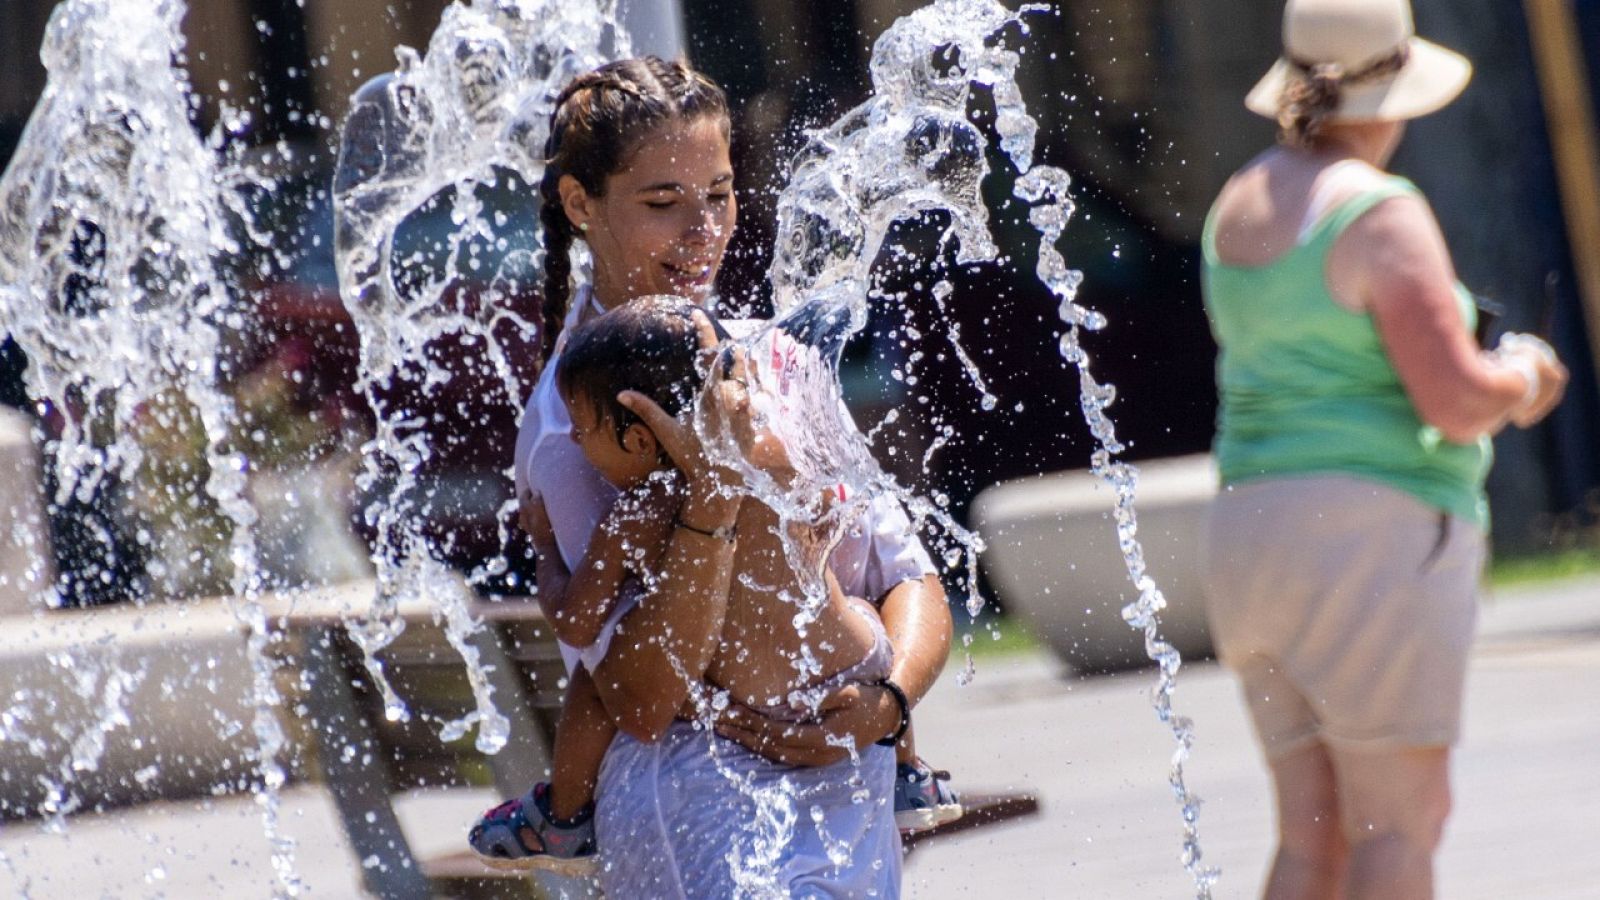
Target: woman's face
[{"x": 664, "y": 221}]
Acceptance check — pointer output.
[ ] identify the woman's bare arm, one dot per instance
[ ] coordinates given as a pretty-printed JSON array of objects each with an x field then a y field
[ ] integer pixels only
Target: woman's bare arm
[
  {"x": 917, "y": 617},
  {"x": 1394, "y": 260}
]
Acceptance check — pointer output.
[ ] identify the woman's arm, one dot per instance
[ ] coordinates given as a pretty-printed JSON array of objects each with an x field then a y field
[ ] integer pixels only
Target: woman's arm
[
  {"x": 665, "y": 644},
  {"x": 1394, "y": 262},
  {"x": 917, "y": 617},
  {"x": 549, "y": 568}
]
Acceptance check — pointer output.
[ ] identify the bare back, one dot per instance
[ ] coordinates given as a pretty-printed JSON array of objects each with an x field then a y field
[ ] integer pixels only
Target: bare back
[
  {"x": 1391, "y": 263},
  {"x": 1267, "y": 208},
  {"x": 763, "y": 655}
]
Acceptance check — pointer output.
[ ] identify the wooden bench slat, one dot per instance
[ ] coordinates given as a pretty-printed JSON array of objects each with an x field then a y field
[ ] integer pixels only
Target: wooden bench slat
[
  {"x": 352, "y": 600},
  {"x": 981, "y": 810}
]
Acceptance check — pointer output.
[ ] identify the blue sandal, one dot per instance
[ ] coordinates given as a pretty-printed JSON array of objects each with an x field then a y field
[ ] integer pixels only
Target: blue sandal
[
  {"x": 565, "y": 848},
  {"x": 923, "y": 798}
]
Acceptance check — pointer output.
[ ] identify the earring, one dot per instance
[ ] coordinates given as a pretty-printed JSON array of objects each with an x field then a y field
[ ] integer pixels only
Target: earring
[{"x": 584, "y": 228}]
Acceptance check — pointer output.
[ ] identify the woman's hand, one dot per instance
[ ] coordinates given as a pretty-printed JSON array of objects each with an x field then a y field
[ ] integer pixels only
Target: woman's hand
[
  {"x": 1547, "y": 377},
  {"x": 854, "y": 714},
  {"x": 549, "y": 568},
  {"x": 535, "y": 520},
  {"x": 724, "y": 406}
]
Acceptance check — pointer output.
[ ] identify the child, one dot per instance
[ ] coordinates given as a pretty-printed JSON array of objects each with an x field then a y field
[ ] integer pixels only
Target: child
[{"x": 650, "y": 346}]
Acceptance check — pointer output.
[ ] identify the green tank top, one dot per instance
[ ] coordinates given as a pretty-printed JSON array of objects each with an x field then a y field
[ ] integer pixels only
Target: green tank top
[{"x": 1306, "y": 387}]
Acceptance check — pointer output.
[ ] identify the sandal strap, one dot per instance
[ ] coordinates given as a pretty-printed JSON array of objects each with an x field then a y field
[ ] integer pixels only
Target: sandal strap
[{"x": 512, "y": 816}]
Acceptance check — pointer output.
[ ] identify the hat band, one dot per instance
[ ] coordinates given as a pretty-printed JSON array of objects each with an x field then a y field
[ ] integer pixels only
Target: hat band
[
  {"x": 1336, "y": 76},
  {"x": 1307, "y": 102}
]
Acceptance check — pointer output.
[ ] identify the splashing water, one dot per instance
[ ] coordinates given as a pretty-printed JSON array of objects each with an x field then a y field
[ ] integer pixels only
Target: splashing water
[
  {"x": 1046, "y": 187},
  {"x": 112, "y": 216},
  {"x": 466, "y": 119},
  {"x": 907, "y": 151}
]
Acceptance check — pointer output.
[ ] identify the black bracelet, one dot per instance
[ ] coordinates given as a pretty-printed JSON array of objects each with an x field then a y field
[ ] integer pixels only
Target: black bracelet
[
  {"x": 728, "y": 533},
  {"x": 904, "y": 703}
]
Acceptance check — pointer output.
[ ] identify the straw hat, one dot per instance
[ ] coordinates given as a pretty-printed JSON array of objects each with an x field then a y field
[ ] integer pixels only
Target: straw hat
[{"x": 1369, "y": 50}]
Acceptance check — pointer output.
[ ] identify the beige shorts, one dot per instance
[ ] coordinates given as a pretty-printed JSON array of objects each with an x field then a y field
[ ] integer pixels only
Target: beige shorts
[{"x": 1347, "y": 609}]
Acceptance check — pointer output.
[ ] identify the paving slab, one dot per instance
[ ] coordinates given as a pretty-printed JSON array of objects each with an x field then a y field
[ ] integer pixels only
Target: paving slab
[{"x": 1526, "y": 824}]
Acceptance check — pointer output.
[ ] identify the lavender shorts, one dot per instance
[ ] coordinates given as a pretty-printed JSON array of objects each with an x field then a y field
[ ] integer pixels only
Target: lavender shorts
[{"x": 696, "y": 816}]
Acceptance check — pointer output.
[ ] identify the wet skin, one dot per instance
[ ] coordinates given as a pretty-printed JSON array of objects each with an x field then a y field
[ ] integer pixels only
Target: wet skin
[
  {"x": 756, "y": 660},
  {"x": 664, "y": 221}
]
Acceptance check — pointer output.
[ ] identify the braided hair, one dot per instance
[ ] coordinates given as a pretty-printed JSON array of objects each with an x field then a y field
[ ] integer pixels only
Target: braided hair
[{"x": 598, "y": 122}]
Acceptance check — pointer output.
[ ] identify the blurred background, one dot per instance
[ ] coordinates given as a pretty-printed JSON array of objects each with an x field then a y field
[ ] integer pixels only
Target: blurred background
[{"x": 1140, "y": 100}]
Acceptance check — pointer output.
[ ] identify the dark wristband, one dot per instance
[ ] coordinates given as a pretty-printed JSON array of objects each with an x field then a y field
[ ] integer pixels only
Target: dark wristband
[
  {"x": 729, "y": 533},
  {"x": 904, "y": 703}
]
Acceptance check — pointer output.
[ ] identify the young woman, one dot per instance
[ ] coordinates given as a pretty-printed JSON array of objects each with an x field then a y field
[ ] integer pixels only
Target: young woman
[
  {"x": 1353, "y": 442},
  {"x": 638, "y": 169}
]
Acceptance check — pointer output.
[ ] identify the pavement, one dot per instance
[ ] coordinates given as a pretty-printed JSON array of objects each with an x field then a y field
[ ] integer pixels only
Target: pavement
[{"x": 1527, "y": 778}]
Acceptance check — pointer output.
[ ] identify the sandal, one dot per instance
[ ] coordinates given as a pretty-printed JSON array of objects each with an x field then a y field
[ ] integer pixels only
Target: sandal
[
  {"x": 923, "y": 798},
  {"x": 565, "y": 848}
]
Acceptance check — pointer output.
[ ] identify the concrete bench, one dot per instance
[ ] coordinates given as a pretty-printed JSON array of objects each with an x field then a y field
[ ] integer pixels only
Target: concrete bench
[
  {"x": 26, "y": 562},
  {"x": 119, "y": 705},
  {"x": 364, "y": 759},
  {"x": 1053, "y": 559}
]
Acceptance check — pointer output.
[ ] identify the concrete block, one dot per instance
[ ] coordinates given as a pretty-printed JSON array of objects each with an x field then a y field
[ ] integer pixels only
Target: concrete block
[
  {"x": 1053, "y": 559},
  {"x": 115, "y": 705},
  {"x": 27, "y": 568}
]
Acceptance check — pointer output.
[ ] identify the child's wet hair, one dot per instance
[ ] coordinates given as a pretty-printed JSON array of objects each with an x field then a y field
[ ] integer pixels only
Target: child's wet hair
[
  {"x": 649, "y": 345},
  {"x": 598, "y": 122}
]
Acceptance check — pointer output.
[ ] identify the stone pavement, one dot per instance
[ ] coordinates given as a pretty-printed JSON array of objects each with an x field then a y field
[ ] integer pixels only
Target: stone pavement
[{"x": 1527, "y": 776}]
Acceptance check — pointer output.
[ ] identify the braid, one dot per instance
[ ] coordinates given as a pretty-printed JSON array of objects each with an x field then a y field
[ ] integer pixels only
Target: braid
[
  {"x": 599, "y": 119},
  {"x": 557, "y": 263}
]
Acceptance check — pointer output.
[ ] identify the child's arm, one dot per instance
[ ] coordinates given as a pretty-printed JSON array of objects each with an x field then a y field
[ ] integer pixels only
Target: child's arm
[{"x": 629, "y": 540}]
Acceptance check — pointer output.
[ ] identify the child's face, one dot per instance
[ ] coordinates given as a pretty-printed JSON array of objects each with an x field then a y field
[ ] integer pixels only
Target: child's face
[{"x": 623, "y": 464}]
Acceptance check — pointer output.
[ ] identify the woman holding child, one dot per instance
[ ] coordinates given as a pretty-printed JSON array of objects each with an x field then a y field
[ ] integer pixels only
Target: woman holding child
[{"x": 638, "y": 169}]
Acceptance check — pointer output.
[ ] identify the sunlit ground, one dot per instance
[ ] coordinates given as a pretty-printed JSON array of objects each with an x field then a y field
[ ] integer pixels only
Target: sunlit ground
[{"x": 1525, "y": 825}]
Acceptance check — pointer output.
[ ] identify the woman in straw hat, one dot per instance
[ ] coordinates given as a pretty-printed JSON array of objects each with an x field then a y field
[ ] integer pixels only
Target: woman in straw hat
[{"x": 1353, "y": 441}]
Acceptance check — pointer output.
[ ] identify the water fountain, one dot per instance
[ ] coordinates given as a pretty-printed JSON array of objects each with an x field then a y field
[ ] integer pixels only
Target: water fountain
[
  {"x": 440, "y": 129},
  {"x": 114, "y": 212},
  {"x": 909, "y": 150},
  {"x": 114, "y": 215}
]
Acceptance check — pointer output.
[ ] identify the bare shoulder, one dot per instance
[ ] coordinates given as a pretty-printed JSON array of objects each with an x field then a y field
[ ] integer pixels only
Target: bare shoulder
[
  {"x": 1397, "y": 237},
  {"x": 1394, "y": 253}
]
